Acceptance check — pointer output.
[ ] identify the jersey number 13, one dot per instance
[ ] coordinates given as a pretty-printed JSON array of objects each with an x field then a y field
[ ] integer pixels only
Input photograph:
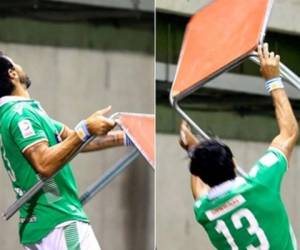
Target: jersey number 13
[{"x": 253, "y": 229}]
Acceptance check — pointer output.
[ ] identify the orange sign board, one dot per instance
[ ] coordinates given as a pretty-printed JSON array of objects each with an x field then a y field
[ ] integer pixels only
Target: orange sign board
[
  {"x": 141, "y": 130},
  {"x": 217, "y": 36}
]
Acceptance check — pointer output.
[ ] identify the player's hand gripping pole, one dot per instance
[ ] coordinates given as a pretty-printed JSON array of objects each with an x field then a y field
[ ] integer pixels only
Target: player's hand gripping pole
[
  {"x": 139, "y": 129},
  {"x": 285, "y": 72},
  {"x": 39, "y": 185}
]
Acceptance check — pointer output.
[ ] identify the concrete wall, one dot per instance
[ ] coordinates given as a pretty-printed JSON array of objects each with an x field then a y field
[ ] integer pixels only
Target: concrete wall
[
  {"x": 71, "y": 84},
  {"x": 284, "y": 14},
  {"x": 127, "y": 4},
  {"x": 176, "y": 226}
]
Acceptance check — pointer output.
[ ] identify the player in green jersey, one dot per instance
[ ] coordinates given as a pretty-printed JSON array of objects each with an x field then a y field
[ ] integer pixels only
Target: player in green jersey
[
  {"x": 33, "y": 145},
  {"x": 245, "y": 212}
]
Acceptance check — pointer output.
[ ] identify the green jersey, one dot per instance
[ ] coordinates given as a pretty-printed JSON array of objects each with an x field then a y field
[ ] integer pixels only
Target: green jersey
[
  {"x": 24, "y": 123},
  {"x": 248, "y": 213}
]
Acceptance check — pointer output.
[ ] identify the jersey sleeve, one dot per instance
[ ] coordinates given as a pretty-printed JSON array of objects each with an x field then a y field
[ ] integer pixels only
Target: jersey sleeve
[
  {"x": 26, "y": 130},
  {"x": 270, "y": 169},
  {"x": 59, "y": 126}
]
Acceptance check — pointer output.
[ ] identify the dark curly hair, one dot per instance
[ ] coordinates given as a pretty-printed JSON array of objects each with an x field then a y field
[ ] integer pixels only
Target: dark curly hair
[
  {"x": 6, "y": 86},
  {"x": 212, "y": 161}
]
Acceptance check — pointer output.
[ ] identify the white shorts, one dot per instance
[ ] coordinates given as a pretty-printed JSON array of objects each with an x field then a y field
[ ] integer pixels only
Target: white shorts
[{"x": 71, "y": 235}]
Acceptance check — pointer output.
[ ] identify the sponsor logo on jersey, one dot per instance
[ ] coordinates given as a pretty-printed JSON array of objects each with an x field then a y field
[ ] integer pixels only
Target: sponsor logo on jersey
[
  {"x": 26, "y": 128},
  {"x": 30, "y": 219},
  {"x": 225, "y": 208},
  {"x": 19, "y": 191}
]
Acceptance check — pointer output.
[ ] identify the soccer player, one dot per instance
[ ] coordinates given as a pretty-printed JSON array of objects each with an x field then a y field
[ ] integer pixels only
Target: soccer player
[
  {"x": 245, "y": 212},
  {"x": 33, "y": 145}
]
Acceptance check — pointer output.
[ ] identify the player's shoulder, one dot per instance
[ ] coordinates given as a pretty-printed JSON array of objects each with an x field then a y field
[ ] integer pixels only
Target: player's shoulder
[
  {"x": 22, "y": 110},
  {"x": 271, "y": 165},
  {"x": 19, "y": 112},
  {"x": 272, "y": 157}
]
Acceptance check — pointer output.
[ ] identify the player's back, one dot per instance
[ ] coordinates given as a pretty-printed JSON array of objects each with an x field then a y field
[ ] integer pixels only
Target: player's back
[{"x": 248, "y": 213}]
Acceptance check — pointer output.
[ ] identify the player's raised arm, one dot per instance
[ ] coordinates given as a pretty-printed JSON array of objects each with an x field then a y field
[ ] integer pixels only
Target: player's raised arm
[
  {"x": 287, "y": 123},
  {"x": 187, "y": 141},
  {"x": 48, "y": 160}
]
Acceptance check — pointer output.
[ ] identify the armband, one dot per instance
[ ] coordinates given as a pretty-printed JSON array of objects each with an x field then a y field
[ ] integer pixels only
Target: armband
[
  {"x": 274, "y": 83},
  {"x": 82, "y": 131}
]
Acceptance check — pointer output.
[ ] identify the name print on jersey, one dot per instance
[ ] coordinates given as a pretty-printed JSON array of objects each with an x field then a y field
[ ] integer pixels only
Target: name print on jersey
[{"x": 226, "y": 207}]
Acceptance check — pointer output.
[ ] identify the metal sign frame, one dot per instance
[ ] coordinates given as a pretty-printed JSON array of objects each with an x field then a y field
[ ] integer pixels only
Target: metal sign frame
[
  {"x": 286, "y": 74},
  {"x": 233, "y": 63}
]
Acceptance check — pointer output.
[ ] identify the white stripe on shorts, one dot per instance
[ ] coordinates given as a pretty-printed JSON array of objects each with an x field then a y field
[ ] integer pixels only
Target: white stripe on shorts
[{"x": 76, "y": 235}]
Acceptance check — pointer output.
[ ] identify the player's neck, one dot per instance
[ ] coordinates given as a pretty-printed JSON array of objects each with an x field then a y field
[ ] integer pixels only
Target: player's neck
[{"x": 20, "y": 91}]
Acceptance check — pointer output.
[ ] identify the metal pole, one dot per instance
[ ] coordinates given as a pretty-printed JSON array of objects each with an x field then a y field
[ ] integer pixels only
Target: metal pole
[
  {"x": 240, "y": 171},
  {"x": 108, "y": 176},
  {"x": 190, "y": 121}
]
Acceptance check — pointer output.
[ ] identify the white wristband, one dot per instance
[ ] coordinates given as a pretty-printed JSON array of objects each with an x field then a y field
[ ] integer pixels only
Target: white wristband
[
  {"x": 82, "y": 130},
  {"x": 274, "y": 83}
]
